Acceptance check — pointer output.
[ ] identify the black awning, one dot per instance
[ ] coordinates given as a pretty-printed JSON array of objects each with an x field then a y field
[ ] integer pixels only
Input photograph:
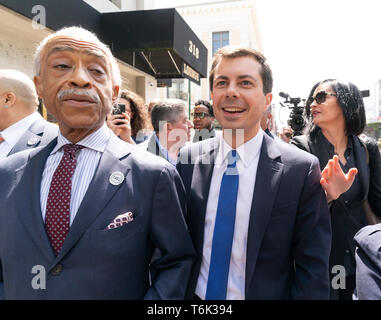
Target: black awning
[
  {"x": 58, "y": 14},
  {"x": 158, "y": 42}
]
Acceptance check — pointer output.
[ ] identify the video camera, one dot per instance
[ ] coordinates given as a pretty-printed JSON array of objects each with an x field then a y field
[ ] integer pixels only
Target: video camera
[{"x": 296, "y": 120}]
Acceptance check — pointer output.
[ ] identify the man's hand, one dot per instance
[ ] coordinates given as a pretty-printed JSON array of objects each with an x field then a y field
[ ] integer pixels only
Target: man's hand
[
  {"x": 286, "y": 134},
  {"x": 120, "y": 125},
  {"x": 334, "y": 181}
]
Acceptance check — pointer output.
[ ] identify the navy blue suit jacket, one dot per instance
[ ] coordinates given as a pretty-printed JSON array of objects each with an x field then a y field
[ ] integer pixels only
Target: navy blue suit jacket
[
  {"x": 39, "y": 134},
  {"x": 368, "y": 263},
  {"x": 95, "y": 263},
  {"x": 289, "y": 235}
]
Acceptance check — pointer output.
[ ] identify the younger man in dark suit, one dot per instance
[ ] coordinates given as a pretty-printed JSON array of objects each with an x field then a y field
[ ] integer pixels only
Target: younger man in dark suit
[{"x": 257, "y": 213}]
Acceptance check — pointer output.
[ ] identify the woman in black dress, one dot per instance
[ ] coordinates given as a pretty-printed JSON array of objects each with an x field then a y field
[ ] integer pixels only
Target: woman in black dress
[{"x": 336, "y": 121}]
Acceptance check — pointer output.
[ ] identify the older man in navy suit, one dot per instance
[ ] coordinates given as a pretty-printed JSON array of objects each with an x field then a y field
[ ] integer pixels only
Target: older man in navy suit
[
  {"x": 81, "y": 217},
  {"x": 21, "y": 126},
  {"x": 257, "y": 214}
]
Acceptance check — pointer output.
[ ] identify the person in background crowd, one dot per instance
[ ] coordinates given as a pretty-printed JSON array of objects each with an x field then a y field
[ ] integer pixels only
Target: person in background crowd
[
  {"x": 337, "y": 118},
  {"x": 172, "y": 129},
  {"x": 132, "y": 125},
  {"x": 89, "y": 209},
  {"x": 151, "y": 104},
  {"x": 286, "y": 134},
  {"x": 149, "y": 109},
  {"x": 21, "y": 126},
  {"x": 203, "y": 119},
  {"x": 257, "y": 213},
  {"x": 267, "y": 121}
]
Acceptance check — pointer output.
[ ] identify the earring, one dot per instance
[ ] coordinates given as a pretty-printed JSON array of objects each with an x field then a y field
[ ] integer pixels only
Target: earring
[{"x": 6, "y": 106}]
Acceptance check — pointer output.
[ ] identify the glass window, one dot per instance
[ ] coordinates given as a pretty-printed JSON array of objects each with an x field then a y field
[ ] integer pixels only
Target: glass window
[{"x": 220, "y": 39}]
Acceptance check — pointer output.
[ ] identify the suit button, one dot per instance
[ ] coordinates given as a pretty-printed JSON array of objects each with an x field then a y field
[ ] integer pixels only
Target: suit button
[{"x": 57, "y": 269}]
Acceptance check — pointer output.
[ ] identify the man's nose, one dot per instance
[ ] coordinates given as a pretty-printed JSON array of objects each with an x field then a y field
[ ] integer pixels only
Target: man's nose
[
  {"x": 232, "y": 90},
  {"x": 80, "y": 78}
]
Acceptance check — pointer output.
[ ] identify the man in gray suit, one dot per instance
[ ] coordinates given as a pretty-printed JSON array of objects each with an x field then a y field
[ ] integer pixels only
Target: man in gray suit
[
  {"x": 171, "y": 129},
  {"x": 21, "y": 126},
  {"x": 81, "y": 217}
]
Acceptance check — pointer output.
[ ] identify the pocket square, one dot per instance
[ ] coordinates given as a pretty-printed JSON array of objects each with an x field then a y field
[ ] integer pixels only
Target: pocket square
[{"x": 121, "y": 220}]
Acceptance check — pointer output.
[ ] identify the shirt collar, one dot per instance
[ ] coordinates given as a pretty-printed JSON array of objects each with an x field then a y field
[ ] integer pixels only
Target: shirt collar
[
  {"x": 96, "y": 141},
  {"x": 13, "y": 133},
  {"x": 246, "y": 152},
  {"x": 165, "y": 152}
]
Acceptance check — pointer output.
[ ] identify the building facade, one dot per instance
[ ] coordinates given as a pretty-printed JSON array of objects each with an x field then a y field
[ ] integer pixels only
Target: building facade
[
  {"x": 24, "y": 24},
  {"x": 218, "y": 24}
]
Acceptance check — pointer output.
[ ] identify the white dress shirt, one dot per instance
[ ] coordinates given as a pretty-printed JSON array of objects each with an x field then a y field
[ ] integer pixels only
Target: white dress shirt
[
  {"x": 13, "y": 133},
  {"x": 87, "y": 162},
  {"x": 247, "y": 165}
]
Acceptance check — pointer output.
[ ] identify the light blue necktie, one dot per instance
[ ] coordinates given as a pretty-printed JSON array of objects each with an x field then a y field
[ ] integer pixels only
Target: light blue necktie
[{"x": 223, "y": 232}]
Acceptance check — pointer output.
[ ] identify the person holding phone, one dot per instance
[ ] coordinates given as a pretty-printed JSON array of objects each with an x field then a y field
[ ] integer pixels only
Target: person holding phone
[{"x": 128, "y": 119}]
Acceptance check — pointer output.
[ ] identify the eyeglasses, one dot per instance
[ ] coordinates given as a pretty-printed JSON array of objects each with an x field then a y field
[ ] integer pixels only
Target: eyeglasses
[
  {"x": 320, "y": 97},
  {"x": 200, "y": 115}
]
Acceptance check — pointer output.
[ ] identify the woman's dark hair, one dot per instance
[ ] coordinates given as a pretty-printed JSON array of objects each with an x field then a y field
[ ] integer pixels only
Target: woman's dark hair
[
  {"x": 349, "y": 99},
  {"x": 139, "y": 120}
]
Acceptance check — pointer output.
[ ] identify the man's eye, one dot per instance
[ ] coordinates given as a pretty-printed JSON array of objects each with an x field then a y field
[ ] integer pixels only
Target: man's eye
[
  {"x": 61, "y": 66},
  {"x": 220, "y": 83},
  {"x": 246, "y": 83},
  {"x": 97, "y": 71}
]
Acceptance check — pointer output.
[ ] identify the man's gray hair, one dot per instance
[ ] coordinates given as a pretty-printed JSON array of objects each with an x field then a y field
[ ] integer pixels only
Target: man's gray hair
[
  {"x": 166, "y": 110},
  {"x": 84, "y": 35}
]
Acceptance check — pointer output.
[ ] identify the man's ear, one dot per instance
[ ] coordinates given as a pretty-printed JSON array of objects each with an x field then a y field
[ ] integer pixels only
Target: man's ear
[
  {"x": 115, "y": 93},
  {"x": 168, "y": 126},
  {"x": 9, "y": 99},
  {"x": 38, "y": 84},
  {"x": 269, "y": 98}
]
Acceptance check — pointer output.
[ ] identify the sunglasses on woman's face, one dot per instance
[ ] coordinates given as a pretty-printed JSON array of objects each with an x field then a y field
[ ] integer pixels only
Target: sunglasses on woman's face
[{"x": 320, "y": 97}]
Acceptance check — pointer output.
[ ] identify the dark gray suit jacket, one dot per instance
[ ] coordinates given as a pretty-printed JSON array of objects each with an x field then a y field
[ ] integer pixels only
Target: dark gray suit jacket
[
  {"x": 39, "y": 134},
  {"x": 95, "y": 263},
  {"x": 289, "y": 235},
  {"x": 368, "y": 263}
]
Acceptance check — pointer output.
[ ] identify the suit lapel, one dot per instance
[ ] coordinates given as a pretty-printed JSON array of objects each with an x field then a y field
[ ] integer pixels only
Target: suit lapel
[
  {"x": 28, "y": 207},
  {"x": 200, "y": 185},
  {"x": 30, "y": 139},
  {"x": 269, "y": 172},
  {"x": 99, "y": 193}
]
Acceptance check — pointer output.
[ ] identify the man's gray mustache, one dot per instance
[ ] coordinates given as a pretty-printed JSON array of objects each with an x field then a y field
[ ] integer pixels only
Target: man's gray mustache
[{"x": 62, "y": 94}]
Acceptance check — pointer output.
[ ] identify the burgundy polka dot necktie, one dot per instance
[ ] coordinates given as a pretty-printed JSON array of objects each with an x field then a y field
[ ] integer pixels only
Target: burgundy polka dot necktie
[{"x": 57, "y": 219}]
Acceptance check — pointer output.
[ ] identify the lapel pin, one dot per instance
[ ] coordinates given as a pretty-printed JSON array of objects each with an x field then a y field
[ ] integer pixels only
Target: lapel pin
[
  {"x": 116, "y": 178},
  {"x": 32, "y": 141}
]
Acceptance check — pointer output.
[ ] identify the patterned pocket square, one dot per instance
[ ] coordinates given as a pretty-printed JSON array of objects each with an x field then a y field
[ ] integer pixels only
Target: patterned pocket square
[{"x": 121, "y": 220}]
